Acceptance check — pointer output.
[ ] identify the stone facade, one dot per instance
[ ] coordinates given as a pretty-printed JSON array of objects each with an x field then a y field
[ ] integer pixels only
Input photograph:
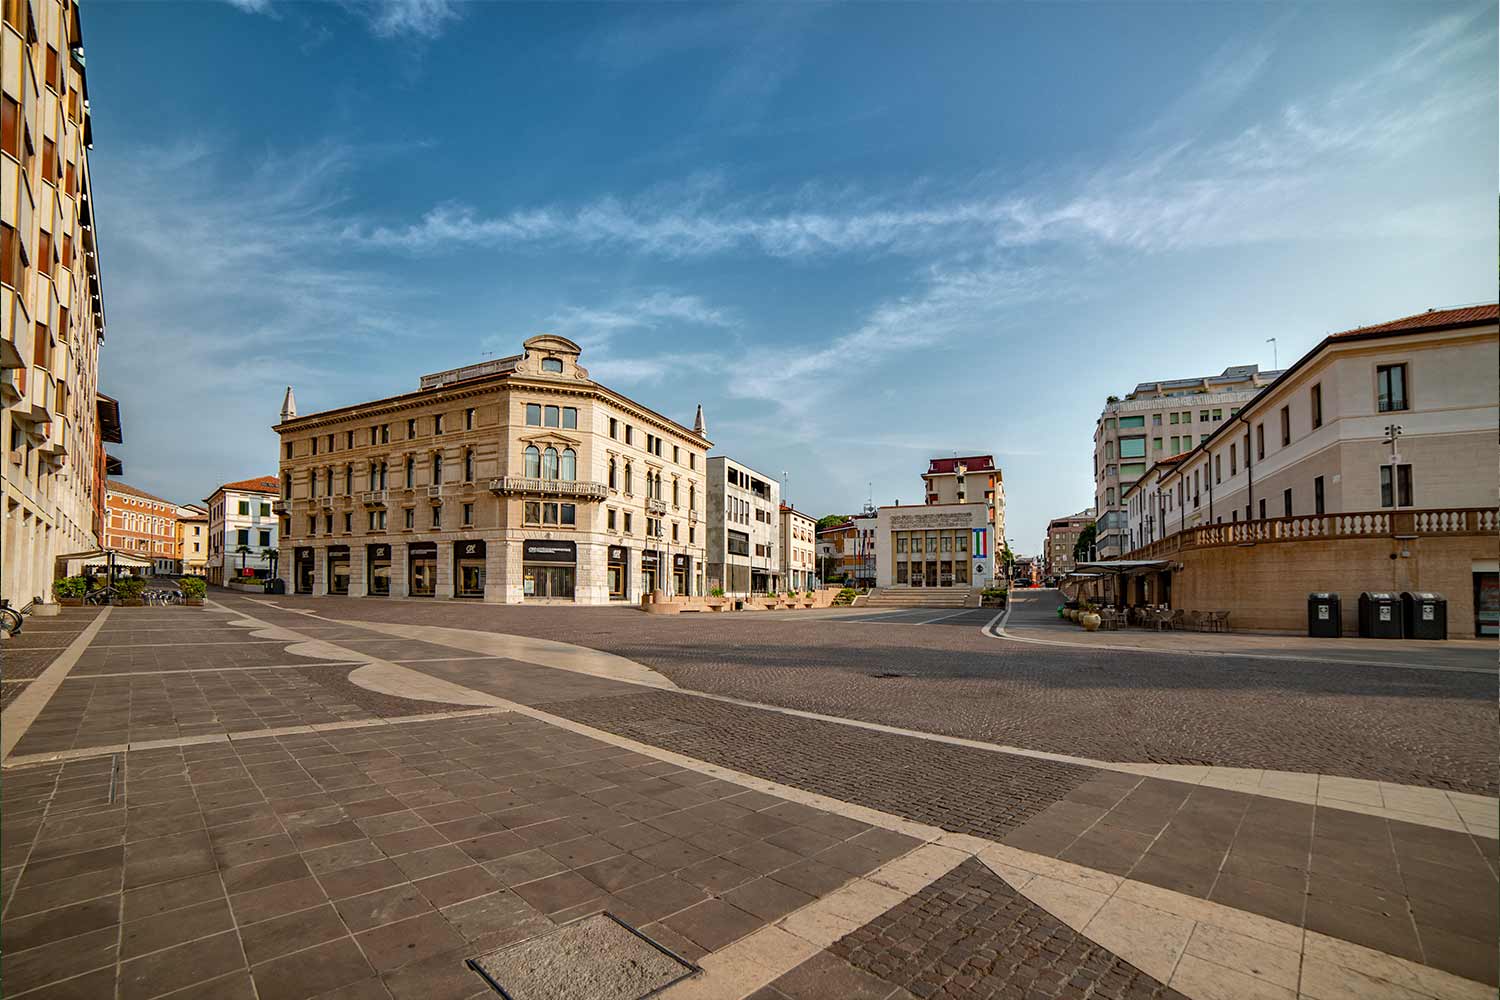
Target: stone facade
[
  {"x": 799, "y": 557},
  {"x": 515, "y": 480},
  {"x": 53, "y": 420},
  {"x": 744, "y": 529},
  {"x": 935, "y": 545}
]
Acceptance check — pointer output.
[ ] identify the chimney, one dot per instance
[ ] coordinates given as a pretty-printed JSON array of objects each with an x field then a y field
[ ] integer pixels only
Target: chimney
[{"x": 288, "y": 405}]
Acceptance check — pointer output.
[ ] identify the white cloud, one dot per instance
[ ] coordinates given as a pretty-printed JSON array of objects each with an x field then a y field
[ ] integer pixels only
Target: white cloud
[{"x": 424, "y": 19}]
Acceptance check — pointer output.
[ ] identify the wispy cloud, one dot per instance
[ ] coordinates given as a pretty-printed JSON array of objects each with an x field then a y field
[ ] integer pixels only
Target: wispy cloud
[{"x": 424, "y": 19}]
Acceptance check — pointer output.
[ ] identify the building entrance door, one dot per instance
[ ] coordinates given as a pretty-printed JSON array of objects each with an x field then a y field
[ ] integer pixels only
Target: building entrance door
[
  {"x": 619, "y": 573},
  {"x": 338, "y": 570},
  {"x": 932, "y": 574},
  {"x": 423, "y": 574},
  {"x": 469, "y": 569}
]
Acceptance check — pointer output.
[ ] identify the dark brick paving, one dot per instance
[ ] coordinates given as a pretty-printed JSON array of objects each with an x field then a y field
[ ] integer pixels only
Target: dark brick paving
[
  {"x": 969, "y": 936},
  {"x": 41, "y": 641},
  {"x": 958, "y": 789},
  {"x": 1406, "y": 726},
  {"x": 10, "y": 691},
  {"x": 376, "y": 861},
  {"x": 1422, "y": 893}
]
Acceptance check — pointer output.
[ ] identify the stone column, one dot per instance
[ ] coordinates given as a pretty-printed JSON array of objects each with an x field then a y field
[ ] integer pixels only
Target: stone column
[
  {"x": 445, "y": 570},
  {"x": 400, "y": 585},
  {"x": 359, "y": 579},
  {"x": 320, "y": 571},
  {"x": 496, "y": 565}
]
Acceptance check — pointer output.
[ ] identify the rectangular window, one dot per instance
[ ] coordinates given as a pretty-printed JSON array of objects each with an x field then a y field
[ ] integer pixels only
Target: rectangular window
[
  {"x": 628, "y": 529},
  {"x": 674, "y": 531},
  {"x": 550, "y": 417},
  {"x": 385, "y": 433},
  {"x": 1156, "y": 420},
  {"x": 1218, "y": 415},
  {"x": 1137, "y": 421},
  {"x": 1263, "y": 508},
  {"x": 437, "y": 515},
  {"x": 44, "y": 252},
  {"x": 49, "y": 161},
  {"x": 1286, "y": 502},
  {"x": 242, "y": 536},
  {"x": 629, "y": 433},
  {"x": 10, "y": 257},
  {"x": 437, "y": 423},
  {"x": 244, "y": 508},
  {"x": 409, "y": 518},
  {"x": 1203, "y": 416},
  {"x": 533, "y": 414},
  {"x": 570, "y": 417},
  {"x": 1318, "y": 495},
  {"x": 1260, "y": 442},
  {"x": 469, "y": 419},
  {"x": 377, "y": 520},
  {"x": 1317, "y": 407},
  {"x": 313, "y": 446},
  {"x": 1173, "y": 418},
  {"x": 1218, "y": 468},
  {"x": 1133, "y": 447},
  {"x": 265, "y": 510},
  {"x": 1156, "y": 444},
  {"x": 1390, "y": 388},
  {"x": 614, "y": 428},
  {"x": 533, "y": 511},
  {"x": 265, "y": 538},
  {"x": 1286, "y": 426},
  {"x": 312, "y": 524},
  {"x": 10, "y": 126},
  {"x": 609, "y": 519},
  {"x": 468, "y": 514},
  {"x": 328, "y": 523},
  {"x": 1234, "y": 464},
  {"x": 411, "y": 431},
  {"x": 1395, "y": 486}
]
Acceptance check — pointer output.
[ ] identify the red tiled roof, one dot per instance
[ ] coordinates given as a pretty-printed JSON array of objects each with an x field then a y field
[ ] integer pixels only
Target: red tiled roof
[
  {"x": 115, "y": 486},
  {"x": 1171, "y": 459},
  {"x": 260, "y": 484},
  {"x": 974, "y": 463},
  {"x": 1432, "y": 319}
]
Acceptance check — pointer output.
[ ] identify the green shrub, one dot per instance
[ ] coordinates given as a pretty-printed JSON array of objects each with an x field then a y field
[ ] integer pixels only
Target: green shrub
[
  {"x": 192, "y": 586},
  {"x": 716, "y": 592},
  {"x": 130, "y": 588},
  {"x": 70, "y": 587}
]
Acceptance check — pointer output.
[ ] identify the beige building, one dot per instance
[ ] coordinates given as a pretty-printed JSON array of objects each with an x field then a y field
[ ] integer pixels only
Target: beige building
[
  {"x": 1311, "y": 464},
  {"x": 515, "y": 480},
  {"x": 799, "y": 549},
  {"x": 192, "y": 539},
  {"x": 52, "y": 419},
  {"x": 1062, "y": 538},
  {"x": 1157, "y": 420},
  {"x": 934, "y": 545},
  {"x": 744, "y": 529},
  {"x": 971, "y": 479}
]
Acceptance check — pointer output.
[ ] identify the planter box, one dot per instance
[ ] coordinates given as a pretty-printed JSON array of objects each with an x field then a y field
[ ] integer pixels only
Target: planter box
[
  {"x": 70, "y": 602},
  {"x": 193, "y": 602},
  {"x": 132, "y": 602}
]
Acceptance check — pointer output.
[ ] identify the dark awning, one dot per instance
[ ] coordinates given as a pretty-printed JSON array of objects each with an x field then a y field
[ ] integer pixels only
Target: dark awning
[{"x": 109, "y": 419}]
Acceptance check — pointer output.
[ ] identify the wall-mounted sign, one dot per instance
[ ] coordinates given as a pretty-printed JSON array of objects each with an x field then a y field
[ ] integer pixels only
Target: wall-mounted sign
[
  {"x": 650, "y": 558},
  {"x": 679, "y": 562},
  {"x": 618, "y": 553},
  {"x": 931, "y": 520},
  {"x": 304, "y": 552},
  {"x": 469, "y": 550},
  {"x": 380, "y": 551},
  {"x": 546, "y": 551}
]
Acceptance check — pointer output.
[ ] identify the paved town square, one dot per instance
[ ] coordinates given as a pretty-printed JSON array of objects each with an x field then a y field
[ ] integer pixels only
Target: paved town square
[{"x": 284, "y": 797}]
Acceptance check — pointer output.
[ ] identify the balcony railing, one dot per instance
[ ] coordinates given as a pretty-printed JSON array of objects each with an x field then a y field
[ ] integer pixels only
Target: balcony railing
[
  {"x": 654, "y": 506},
  {"x": 374, "y": 498},
  {"x": 1391, "y": 523},
  {"x": 529, "y": 486},
  {"x": 280, "y": 506}
]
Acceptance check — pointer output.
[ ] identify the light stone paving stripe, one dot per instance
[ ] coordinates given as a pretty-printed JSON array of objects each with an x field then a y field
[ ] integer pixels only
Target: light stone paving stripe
[
  {"x": 1478, "y": 814},
  {"x": 215, "y": 670},
  {"x": 21, "y": 713},
  {"x": 996, "y": 629}
]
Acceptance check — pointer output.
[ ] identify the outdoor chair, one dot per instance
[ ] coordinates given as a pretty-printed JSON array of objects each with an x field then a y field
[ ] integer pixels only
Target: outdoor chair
[
  {"x": 1216, "y": 621},
  {"x": 1192, "y": 620},
  {"x": 1178, "y": 620}
]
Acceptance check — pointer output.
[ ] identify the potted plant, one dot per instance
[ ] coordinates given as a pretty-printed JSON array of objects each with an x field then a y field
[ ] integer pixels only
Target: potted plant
[
  {"x": 69, "y": 591},
  {"x": 129, "y": 590},
  {"x": 193, "y": 588}
]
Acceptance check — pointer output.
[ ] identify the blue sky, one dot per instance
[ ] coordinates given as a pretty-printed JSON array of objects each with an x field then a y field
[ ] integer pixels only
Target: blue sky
[{"x": 861, "y": 235}]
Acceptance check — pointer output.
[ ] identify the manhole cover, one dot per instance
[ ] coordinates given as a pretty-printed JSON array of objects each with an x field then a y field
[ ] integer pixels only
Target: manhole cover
[{"x": 596, "y": 958}]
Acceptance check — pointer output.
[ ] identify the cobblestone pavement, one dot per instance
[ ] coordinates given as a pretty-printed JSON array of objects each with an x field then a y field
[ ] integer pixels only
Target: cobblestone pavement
[
  {"x": 377, "y": 860},
  {"x": 1411, "y": 727},
  {"x": 969, "y": 936}
]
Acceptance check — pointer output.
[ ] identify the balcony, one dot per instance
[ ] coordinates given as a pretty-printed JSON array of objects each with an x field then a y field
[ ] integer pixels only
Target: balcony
[
  {"x": 279, "y": 506},
  {"x": 1388, "y": 523},
  {"x": 326, "y": 503},
  {"x": 13, "y": 383},
  {"x": 692, "y": 517},
  {"x": 373, "y": 498},
  {"x": 654, "y": 506},
  {"x": 527, "y": 486}
]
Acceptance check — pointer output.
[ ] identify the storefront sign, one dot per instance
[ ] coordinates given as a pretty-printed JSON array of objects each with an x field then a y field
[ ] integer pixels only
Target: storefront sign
[
  {"x": 304, "y": 552},
  {"x": 552, "y": 552},
  {"x": 650, "y": 558},
  {"x": 469, "y": 550},
  {"x": 380, "y": 551},
  {"x": 931, "y": 520},
  {"x": 679, "y": 562},
  {"x": 422, "y": 549},
  {"x": 618, "y": 553}
]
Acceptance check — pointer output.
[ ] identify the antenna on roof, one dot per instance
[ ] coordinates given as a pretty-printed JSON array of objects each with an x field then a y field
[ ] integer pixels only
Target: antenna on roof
[{"x": 1274, "y": 365}]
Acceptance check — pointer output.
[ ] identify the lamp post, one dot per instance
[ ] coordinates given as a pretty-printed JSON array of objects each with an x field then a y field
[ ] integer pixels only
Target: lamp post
[{"x": 1392, "y": 436}]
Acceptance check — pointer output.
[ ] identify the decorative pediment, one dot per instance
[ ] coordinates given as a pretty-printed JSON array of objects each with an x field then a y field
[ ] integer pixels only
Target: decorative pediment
[
  {"x": 552, "y": 437},
  {"x": 550, "y": 356}
]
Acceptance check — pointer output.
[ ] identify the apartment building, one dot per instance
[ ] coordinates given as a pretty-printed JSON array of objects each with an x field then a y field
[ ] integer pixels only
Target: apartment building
[
  {"x": 517, "y": 480},
  {"x": 1062, "y": 539},
  {"x": 143, "y": 525},
  {"x": 1377, "y": 448},
  {"x": 53, "y": 420},
  {"x": 846, "y": 551},
  {"x": 744, "y": 529},
  {"x": 242, "y": 531},
  {"x": 966, "y": 480},
  {"x": 1154, "y": 421},
  {"x": 799, "y": 549},
  {"x": 192, "y": 539}
]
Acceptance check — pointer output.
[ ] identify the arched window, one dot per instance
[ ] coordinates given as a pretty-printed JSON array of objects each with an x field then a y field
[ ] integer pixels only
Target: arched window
[
  {"x": 384, "y": 469},
  {"x": 692, "y": 496},
  {"x": 437, "y": 468},
  {"x": 551, "y": 365},
  {"x": 533, "y": 462},
  {"x": 628, "y": 486},
  {"x": 468, "y": 465},
  {"x": 286, "y": 486},
  {"x": 611, "y": 473},
  {"x": 411, "y": 471},
  {"x": 348, "y": 480},
  {"x": 549, "y": 463},
  {"x": 569, "y": 470},
  {"x": 675, "y": 496},
  {"x": 374, "y": 471}
]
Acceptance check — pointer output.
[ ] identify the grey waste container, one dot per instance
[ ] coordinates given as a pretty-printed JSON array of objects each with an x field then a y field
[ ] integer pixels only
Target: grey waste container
[
  {"x": 1425, "y": 615},
  {"x": 1379, "y": 615},
  {"x": 1324, "y": 617}
]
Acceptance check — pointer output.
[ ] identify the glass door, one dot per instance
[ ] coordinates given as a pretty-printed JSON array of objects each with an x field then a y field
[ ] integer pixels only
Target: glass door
[
  {"x": 616, "y": 582},
  {"x": 471, "y": 579},
  {"x": 423, "y": 576}
]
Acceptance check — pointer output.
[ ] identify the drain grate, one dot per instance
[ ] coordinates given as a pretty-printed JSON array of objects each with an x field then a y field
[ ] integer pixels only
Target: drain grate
[
  {"x": 596, "y": 958},
  {"x": 883, "y": 675}
]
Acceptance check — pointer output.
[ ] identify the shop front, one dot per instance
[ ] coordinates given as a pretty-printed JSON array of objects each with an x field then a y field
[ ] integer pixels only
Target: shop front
[
  {"x": 619, "y": 573},
  {"x": 650, "y": 570},
  {"x": 682, "y": 572},
  {"x": 378, "y": 561},
  {"x": 548, "y": 569},
  {"x": 468, "y": 569},
  {"x": 421, "y": 562},
  {"x": 303, "y": 562},
  {"x": 338, "y": 569}
]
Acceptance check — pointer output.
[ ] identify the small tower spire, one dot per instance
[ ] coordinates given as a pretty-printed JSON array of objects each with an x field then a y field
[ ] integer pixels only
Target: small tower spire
[
  {"x": 699, "y": 427},
  {"x": 288, "y": 405}
]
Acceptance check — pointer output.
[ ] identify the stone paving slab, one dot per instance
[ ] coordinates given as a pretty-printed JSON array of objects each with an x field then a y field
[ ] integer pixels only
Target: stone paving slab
[
  {"x": 382, "y": 859},
  {"x": 1429, "y": 895}
]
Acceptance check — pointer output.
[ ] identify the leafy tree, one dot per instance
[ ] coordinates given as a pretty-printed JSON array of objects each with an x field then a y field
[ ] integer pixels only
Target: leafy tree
[
  {"x": 1084, "y": 543},
  {"x": 830, "y": 520}
]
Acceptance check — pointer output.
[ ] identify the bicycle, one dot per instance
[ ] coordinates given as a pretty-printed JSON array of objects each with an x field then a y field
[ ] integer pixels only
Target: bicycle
[
  {"x": 100, "y": 595},
  {"x": 11, "y": 620}
]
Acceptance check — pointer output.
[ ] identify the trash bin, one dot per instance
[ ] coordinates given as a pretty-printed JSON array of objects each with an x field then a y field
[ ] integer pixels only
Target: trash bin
[
  {"x": 1380, "y": 615},
  {"x": 1324, "y": 616},
  {"x": 1425, "y": 615}
]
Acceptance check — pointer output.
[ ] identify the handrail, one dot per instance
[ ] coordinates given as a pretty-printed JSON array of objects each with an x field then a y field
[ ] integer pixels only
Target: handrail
[
  {"x": 549, "y": 487},
  {"x": 1387, "y": 523}
]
